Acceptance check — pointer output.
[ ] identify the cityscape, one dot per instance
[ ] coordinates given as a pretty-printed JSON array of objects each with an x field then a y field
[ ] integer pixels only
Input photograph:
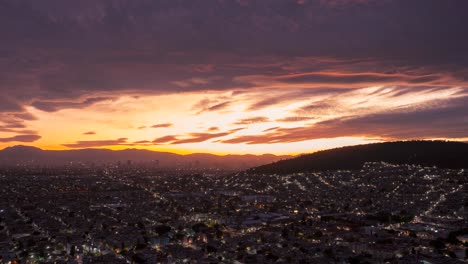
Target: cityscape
[
  {"x": 129, "y": 213},
  {"x": 233, "y": 131}
]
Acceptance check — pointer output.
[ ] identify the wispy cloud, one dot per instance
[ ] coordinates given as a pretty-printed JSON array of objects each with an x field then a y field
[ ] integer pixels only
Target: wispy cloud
[
  {"x": 252, "y": 120},
  {"x": 294, "y": 119},
  {"x": 52, "y": 106},
  {"x": 96, "y": 143},
  {"x": 209, "y": 105},
  {"x": 164, "y": 139},
  {"x": 162, "y": 125},
  {"x": 199, "y": 137},
  {"x": 446, "y": 118},
  {"x": 195, "y": 137},
  {"x": 21, "y": 138}
]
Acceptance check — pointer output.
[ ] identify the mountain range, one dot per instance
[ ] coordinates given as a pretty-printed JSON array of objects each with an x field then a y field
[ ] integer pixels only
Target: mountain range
[
  {"x": 36, "y": 156},
  {"x": 443, "y": 154}
]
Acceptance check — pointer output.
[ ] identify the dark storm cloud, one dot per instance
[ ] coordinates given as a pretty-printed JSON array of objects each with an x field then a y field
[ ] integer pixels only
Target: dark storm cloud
[{"x": 64, "y": 49}]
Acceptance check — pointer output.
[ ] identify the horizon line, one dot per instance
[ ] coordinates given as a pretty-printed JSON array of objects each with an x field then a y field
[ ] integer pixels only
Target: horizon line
[{"x": 182, "y": 153}]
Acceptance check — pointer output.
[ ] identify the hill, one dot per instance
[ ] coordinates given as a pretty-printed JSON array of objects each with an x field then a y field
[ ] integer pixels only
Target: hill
[
  {"x": 442, "y": 154},
  {"x": 36, "y": 156}
]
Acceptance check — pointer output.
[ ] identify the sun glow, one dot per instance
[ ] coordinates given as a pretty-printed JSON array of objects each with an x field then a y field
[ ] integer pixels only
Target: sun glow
[{"x": 202, "y": 121}]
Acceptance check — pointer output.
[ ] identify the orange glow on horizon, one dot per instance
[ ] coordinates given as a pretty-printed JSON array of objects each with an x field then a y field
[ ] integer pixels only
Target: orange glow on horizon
[{"x": 207, "y": 122}]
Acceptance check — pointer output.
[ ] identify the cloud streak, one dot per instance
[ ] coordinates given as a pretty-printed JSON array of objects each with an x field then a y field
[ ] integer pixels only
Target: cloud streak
[
  {"x": 163, "y": 125},
  {"x": 196, "y": 137},
  {"x": 252, "y": 120},
  {"x": 96, "y": 143},
  {"x": 447, "y": 120},
  {"x": 21, "y": 138},
  {"x": 53, "y": 106}
]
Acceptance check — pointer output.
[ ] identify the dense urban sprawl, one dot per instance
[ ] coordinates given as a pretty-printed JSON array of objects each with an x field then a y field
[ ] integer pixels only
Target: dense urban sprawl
[{"x": 124, "y": 213}]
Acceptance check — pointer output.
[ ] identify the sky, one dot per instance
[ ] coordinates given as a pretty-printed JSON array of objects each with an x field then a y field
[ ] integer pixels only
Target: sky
[{"x": 231, "y": 76}]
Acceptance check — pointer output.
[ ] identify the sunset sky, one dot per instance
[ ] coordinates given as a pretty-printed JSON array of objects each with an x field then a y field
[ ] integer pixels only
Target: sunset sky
[{"x": 227, "y": 76}]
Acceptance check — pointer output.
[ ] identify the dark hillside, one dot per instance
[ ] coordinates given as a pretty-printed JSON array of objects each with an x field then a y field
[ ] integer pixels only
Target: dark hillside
[{"x": 442, "y": 154}]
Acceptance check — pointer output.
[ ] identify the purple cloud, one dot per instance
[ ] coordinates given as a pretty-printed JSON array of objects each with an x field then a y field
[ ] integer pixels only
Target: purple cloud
[
  {"x": 252, "y": 120},
  {"x": 163, "y": 125},
  {"x": 21, "y": 138},
  {"x": 96, "y": 143}
]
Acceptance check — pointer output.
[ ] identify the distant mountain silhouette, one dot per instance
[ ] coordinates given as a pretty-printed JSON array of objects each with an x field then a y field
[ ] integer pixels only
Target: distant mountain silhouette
[
  {"x": 442, "y": 154},
  {"x": 36, "y": 156}
]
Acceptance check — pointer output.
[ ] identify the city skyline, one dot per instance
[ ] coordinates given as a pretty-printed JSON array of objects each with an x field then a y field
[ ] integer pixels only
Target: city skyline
[{"x": 231, "y": 77}]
